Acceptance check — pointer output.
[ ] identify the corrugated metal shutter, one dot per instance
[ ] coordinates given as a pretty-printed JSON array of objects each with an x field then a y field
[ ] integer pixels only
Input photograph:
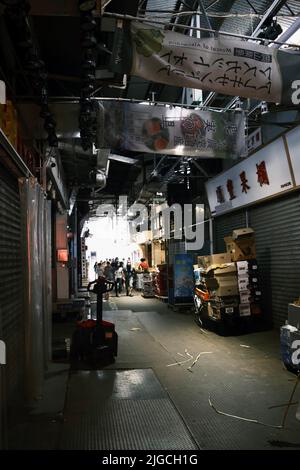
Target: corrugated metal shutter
[
  {"x": 175, "y": 247},
  {"x": 11, "y": 287},
  {"x": 223, "y": 227},
  {"x": 277, "y": 230}
]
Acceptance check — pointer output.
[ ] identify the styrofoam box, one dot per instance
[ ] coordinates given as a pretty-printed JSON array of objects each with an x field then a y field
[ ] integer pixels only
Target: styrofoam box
[
  {"x": 242, "y": 267},
  {"x": 245, "y": 296},
  {"x": 243, "y": 282},
  {"x": 245, "y": 310}
]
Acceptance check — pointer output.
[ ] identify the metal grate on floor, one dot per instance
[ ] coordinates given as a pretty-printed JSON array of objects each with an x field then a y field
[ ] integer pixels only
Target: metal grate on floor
[{"x": 121, "y": 409}]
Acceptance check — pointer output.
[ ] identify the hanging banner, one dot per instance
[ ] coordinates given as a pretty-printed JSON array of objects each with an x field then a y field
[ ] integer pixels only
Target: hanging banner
[
  {"x": 225, "y": 65},
  {"x": 266, "y": 173},
  {"x": 173, "y": 130}
]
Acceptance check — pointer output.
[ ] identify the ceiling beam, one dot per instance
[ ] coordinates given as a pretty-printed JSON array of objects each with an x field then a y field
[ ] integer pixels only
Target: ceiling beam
[
  {"x": 197, "y": 165},
  {"x": 271, "y": 11},
  {"x": 123, "y": 159}
]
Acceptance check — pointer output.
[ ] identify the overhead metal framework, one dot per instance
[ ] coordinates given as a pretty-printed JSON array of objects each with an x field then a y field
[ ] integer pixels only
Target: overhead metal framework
[{"x": 57, "y": 29}]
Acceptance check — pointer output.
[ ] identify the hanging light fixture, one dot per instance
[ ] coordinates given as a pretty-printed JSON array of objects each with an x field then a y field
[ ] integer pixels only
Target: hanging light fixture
[
  {"x": 264, "y": 107},
  {"x": 87, "y": 5},
  {"x": 238, "y": 105}
]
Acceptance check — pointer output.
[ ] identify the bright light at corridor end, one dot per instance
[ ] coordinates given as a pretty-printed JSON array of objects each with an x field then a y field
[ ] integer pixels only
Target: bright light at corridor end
[{"x": 110, "y": 238}]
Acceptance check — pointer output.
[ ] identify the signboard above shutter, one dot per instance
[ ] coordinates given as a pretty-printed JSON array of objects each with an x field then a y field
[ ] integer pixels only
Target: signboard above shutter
[{"x": 264, "y": 174}]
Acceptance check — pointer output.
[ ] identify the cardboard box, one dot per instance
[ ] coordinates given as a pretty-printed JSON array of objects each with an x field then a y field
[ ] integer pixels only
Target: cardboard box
[
  {"x": 243, "y": 249},
  {"x": 225, "y": 270},
  {"x": 228, "y": 301},
  {"x": 212, "y": 283},
  {"x": 227, "y": 286},
  {"x": 227, "y": 290},
  {"x": 294, "y": 315},
  {"x": 242, "y": 233},
  {"x": 245, "y": 310},
  {"x": 216, "y": 259}
]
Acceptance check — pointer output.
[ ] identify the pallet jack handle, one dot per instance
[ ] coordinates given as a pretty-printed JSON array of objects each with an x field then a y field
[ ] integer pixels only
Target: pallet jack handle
[{"x": 101, "y": 286}]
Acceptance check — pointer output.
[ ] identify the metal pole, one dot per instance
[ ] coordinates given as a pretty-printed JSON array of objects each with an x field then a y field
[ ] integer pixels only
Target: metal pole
[
  {"x": 211, "y": 236},
  {"x": 207, "y": 20},
  {"x": 247, "y": 218},
  {"x": 99, "y": 308},
  {"x": 289, "y": 32}
]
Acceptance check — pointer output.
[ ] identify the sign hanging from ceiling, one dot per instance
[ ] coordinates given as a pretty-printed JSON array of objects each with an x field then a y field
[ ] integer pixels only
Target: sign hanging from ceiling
[
  {"x": 225, "y": 65},
  {"x": 173, "y": 130}
]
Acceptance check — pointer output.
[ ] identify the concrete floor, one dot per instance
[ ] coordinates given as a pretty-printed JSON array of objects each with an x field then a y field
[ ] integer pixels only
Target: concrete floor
[{"x": 243, "y": 375}]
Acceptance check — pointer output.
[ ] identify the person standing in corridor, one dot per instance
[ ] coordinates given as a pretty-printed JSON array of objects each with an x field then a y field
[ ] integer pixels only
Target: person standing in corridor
[{"x": 119, "y": 276}]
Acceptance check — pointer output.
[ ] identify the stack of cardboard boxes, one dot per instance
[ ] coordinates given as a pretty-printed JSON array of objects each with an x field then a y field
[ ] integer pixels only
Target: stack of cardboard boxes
[
  {"x": 148, "y": 285},
  {"x": 249, "y": 288},
  {"x": 232, "y": 277},
  {"x": 241, "y": 245},
  {"x": 221, "y": 280}
]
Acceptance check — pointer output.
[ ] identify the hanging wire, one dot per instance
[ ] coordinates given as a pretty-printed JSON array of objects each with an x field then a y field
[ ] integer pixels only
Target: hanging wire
[
  {"x": 196, "y": 28},
  {"x": 218, "y": 14}
]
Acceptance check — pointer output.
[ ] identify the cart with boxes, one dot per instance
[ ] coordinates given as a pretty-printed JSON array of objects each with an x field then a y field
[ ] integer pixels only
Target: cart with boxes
[{"x": 232, "y": 279}]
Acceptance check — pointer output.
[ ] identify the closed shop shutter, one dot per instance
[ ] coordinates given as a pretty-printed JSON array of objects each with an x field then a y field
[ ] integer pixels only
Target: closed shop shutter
[
  {"x": 277, "y": 231},
  {"x": 223, "y": 227},
  {"x": 11, "y": 287}
]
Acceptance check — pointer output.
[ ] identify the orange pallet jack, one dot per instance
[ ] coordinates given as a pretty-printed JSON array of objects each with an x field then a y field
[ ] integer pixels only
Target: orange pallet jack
[{"x": 95, "y": 341}]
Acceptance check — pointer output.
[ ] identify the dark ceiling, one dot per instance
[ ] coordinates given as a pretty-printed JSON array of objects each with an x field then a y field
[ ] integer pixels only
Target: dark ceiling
[{"x": 56, "y": 30}]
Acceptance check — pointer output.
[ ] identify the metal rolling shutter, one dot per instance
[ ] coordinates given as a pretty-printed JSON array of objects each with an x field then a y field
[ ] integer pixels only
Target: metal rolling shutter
[
  {"x": 223, "y": 227},
  {"x": 277, "y": 231},
  {"x": 11, "y": 287}
]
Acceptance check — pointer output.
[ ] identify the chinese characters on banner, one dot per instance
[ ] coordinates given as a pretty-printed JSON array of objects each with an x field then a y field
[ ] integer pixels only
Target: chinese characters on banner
[
  {"x": 265, "y": 173},
  {"x": 173, "y": 130}
]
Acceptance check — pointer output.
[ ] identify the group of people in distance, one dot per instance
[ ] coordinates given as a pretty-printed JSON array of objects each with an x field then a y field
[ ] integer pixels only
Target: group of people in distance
[{"x": 122, "y": 273}]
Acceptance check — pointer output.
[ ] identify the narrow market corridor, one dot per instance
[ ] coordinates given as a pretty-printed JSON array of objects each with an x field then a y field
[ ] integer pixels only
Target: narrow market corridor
[
  {"x": 149, "y": 231},
  {"x": 155, "y": 374}
]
